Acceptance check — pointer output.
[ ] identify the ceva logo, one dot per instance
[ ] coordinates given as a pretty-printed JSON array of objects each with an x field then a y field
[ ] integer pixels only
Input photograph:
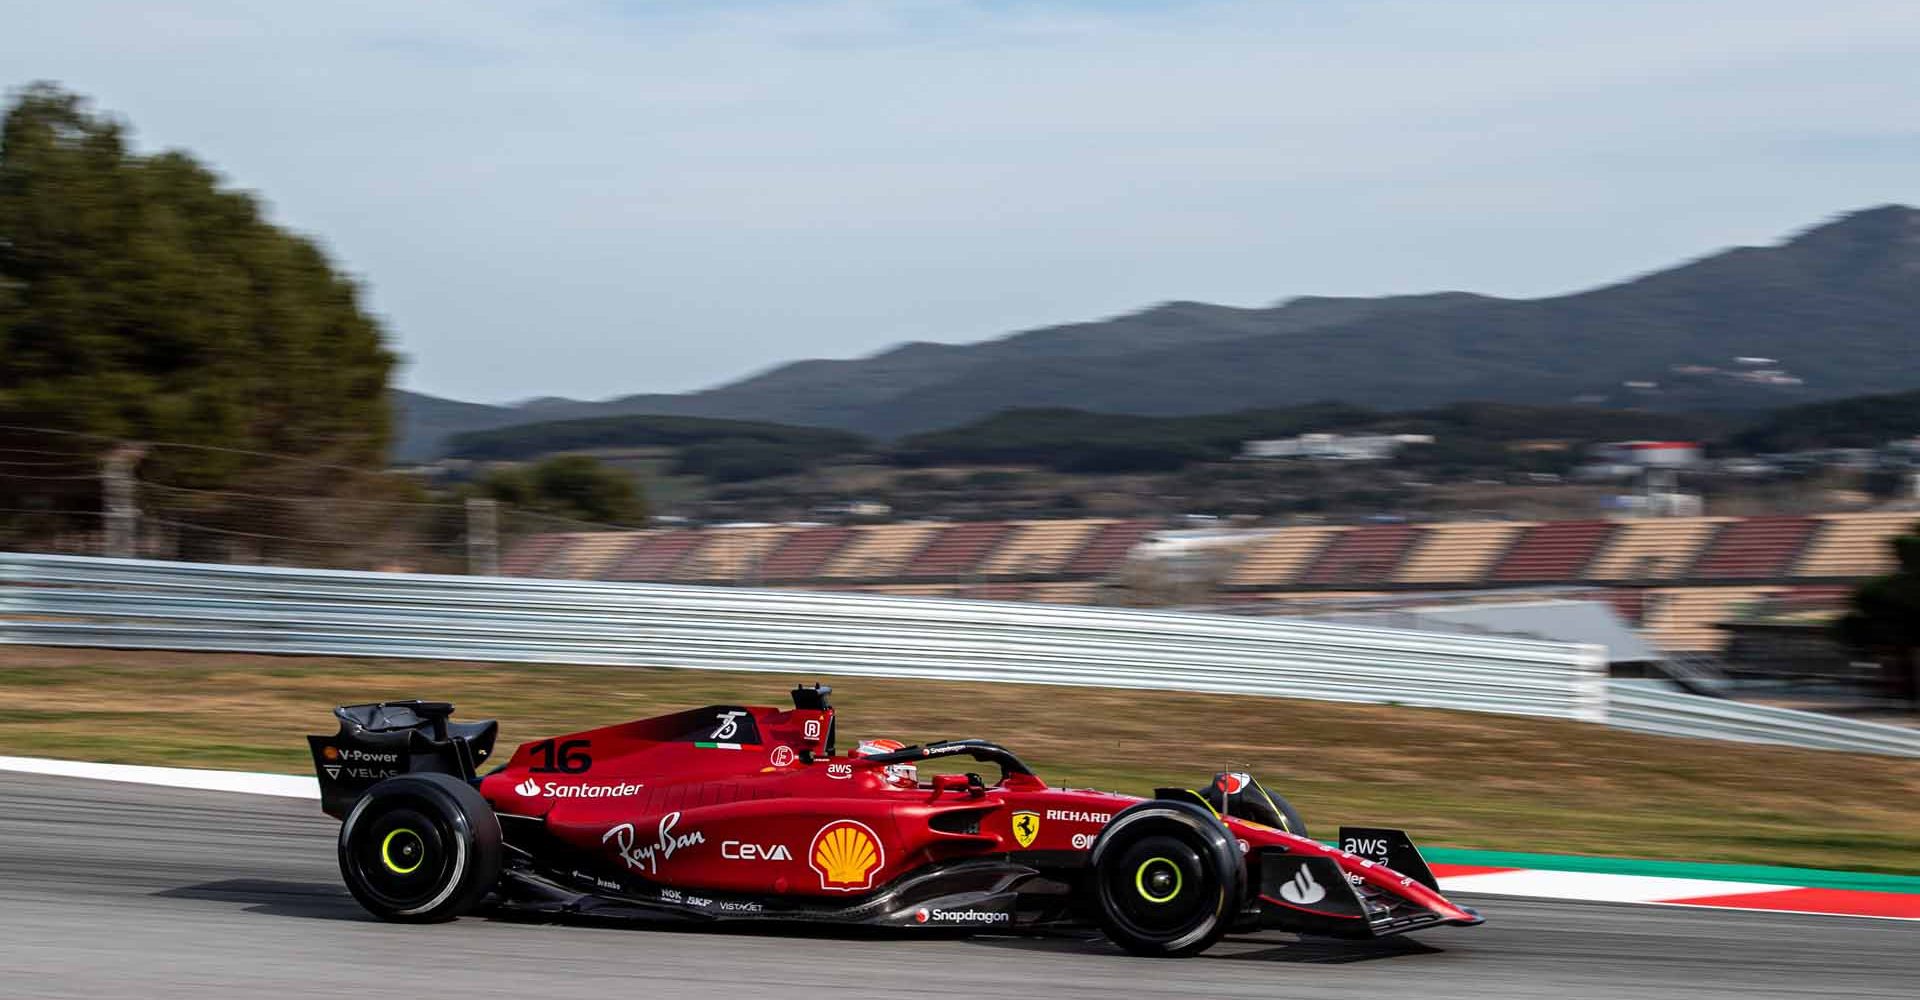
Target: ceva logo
[
  {"x": 1303, "y": 889},
  {"x": 528, "y": 788}
]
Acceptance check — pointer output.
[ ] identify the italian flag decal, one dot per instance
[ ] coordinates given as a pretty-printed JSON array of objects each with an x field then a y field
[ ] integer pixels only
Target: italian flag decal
[{"x": 718, "y": 746}]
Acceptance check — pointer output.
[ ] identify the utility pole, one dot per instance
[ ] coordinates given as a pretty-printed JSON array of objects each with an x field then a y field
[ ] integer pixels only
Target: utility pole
[
  {"x": 483, "y": 537},
  {"x": 123, "y": 514}
]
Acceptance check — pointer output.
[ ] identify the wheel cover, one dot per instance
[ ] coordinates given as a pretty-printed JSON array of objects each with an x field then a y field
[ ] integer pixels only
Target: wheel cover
[
  {"x": 1158, "y": 880},
  {"x": 402, "y": 850},
  {"x": 1158, "y": 888},
  {"x": 403, "y": 856}
]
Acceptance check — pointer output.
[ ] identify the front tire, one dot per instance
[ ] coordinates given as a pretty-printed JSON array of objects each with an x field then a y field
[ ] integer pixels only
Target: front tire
[
  {"x": 1168, "y": 877},
  {"x": 420, "y": 848}
]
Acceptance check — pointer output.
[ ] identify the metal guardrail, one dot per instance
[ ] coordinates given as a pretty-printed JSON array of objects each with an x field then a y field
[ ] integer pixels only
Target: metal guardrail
[
  {"x": 81, "y": 601},
  {"x": 1652, "y": 708}
]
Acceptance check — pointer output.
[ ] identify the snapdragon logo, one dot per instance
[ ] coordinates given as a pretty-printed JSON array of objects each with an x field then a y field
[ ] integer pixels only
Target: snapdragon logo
[
  {"x": 962, "y": 916},
  {"x": 554, "y": 790}
]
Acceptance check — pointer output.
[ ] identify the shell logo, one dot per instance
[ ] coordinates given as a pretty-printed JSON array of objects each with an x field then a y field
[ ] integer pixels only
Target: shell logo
[
  {"x": 847, "y": 854},
  {"x": 330, "y": 753}
]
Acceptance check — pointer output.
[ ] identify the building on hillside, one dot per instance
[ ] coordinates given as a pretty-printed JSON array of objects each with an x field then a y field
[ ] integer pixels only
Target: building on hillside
[
  {"x": 1333, "y": 447},
  {"x": 1649, "y": 454}
]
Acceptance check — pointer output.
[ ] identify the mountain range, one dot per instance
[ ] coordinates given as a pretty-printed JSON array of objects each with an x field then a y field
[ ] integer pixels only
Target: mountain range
[{"x": 1832, "y": 311}]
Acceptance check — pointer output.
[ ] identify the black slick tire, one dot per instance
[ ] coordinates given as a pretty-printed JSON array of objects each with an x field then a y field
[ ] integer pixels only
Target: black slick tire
[
  {"x": 420, "y": 848},
  {"x": 1168, "y": 878}
]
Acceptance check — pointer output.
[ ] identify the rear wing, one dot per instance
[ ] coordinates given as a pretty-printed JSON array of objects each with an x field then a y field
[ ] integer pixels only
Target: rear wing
[{"x": 383, "y": 739}]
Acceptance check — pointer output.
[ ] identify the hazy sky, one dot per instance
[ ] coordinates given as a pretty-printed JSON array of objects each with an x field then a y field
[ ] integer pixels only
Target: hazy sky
[{"x": 593, "y": 199}]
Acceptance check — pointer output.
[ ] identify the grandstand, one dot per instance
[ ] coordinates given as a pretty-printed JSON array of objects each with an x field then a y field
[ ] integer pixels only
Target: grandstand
[
  {"x": 1039, "y": 548},
  {"x": 1450, "y": 553},
  {"x": 730, "y": 554},
  {"x": 1653, "y": 549},
  {"x": 1754, "y": 548},
  {"x": 802, "y": 553},
  {"x": 1551, "y": 552},
  {"x": 1360, "y": 557},
  {"x": 879, "y": 551},
  {"x": 1676, "y": 577}
]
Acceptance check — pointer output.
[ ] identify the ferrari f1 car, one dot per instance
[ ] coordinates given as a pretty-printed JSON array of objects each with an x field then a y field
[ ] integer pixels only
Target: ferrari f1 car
[{"x": 741, "y": 813}]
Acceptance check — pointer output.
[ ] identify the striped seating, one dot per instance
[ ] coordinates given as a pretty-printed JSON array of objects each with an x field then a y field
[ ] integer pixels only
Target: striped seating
[
  {"x": 528, "y": 555},
  {"x": 1754, "y": 548},
  {"x": 654, "y": 555},
  {"x": 1653, "y": 549},
  {"x": 802, "y": 553},
  {"x": 878, "y": 551},
  {"x": 1459, "y": 552},
  {"x": 1277, "y": 560},
  {"x": 1854, "y": 545},
  {"x": 958, "y": 550},
  {"x": 1554, "y": 551},
  {"x": 1039, "y": 548},
  {"x": 591, "y": 554},
  {"x": 1108, "y": 548},
  {"x": 1683, "y": 619},
  {"x": 730, "y": 554},
  {"x": 1361, "y": 556}
]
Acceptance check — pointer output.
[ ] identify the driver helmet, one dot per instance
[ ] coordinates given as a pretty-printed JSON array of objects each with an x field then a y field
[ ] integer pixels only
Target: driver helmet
[{"x": 899, "y": 775}]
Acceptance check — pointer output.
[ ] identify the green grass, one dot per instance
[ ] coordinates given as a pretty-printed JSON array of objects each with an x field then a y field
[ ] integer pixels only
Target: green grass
[{"x": 1453, "y": 779}]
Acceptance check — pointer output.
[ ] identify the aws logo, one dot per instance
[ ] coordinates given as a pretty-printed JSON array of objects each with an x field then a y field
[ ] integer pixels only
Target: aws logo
[{"x": 847, "y": 855}]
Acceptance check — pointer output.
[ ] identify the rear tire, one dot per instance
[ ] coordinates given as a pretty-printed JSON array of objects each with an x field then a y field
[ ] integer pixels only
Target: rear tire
[
  {"x": 1168, "y": 877},
  {"x": 420, "y": 848}
]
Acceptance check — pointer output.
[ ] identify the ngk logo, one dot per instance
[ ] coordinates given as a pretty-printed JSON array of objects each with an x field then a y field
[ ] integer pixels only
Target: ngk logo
[{"x": 735, "y": 850}]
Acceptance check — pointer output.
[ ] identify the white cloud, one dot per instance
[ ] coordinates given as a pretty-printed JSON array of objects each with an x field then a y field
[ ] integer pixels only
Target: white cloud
[{"x": 592, "y": 198}]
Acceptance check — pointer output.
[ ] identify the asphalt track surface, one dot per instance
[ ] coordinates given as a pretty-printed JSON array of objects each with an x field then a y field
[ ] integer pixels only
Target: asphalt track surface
[{"x": 116, "y": 890}]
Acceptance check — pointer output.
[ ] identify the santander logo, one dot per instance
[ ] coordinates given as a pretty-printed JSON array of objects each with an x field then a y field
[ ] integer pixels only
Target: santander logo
[
  {"x": 1303, "y": 889},
  {"x": 554, "y": 790}
]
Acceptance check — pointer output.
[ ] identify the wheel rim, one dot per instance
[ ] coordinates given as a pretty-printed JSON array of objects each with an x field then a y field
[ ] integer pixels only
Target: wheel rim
[
  {"x": 1157, "y": 880},
  {"x": 402, "y": 856},
  {"x": 402, "y": 851},
  {"x": 1159, "y": 888}
]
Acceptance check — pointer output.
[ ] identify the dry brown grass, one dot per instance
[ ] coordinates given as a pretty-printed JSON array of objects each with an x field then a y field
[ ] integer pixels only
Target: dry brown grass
[{"x": 1453, "y": 778}]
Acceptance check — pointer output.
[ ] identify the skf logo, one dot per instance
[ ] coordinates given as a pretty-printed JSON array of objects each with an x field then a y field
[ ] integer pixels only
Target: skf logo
[
  {"x": 1026, "y": 827},
  {"x": 847, "y": 855}
]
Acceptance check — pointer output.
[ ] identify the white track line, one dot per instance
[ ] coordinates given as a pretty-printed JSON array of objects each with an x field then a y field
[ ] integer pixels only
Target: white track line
[
  {"x": 245, "y": 782},
  {"x": 1597, "y": 887}
]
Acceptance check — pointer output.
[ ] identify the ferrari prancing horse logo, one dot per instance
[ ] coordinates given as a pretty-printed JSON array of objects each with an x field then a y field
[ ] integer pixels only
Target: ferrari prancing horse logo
[{"x": 1026, "y": 827}]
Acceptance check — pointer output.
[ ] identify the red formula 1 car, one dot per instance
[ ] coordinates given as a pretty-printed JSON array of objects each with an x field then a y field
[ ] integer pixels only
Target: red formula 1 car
[{"x": 743, "y": 813}]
